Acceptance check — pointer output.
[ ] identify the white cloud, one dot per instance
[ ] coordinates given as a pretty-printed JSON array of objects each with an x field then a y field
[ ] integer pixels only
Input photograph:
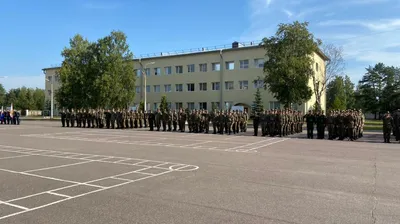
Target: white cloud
[
  {"x": 287, "y": 12},
  {"x": 379, "y": 25},
  {"x": 12, "y": 82}
]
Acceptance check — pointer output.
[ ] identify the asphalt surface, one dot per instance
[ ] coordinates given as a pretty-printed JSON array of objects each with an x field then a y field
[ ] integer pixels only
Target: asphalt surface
[{"x": 54, "y": 175}]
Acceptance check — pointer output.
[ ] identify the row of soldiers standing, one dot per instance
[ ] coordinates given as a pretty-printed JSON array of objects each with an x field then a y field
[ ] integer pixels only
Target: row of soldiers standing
[
  {"x": 278, "y": 122},
  {"x": 198, "y": 120},
  {"x": 340, "y": 124}
]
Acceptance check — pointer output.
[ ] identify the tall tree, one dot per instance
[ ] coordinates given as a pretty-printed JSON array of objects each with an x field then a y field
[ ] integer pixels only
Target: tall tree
[
  {"x": 258, "y": 105},
  {"x": 340, "y": 93},
  {"x": 97, "y": 74},
  {"x": 334, "y": 67},
  {"x": 3, "y": 93},
  {"x": 289, "y": 65},
  {"x": 349, "y": 92},
  {"x": 379, "y": 89},
  {"x": 164, "y": 104}
]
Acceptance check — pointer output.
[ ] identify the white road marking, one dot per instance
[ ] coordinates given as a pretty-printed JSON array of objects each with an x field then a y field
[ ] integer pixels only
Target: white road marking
[
  {"x": 197, "y": 143},
  {"x": 12, "y": 157},
  {"x": 254, "y": 143},
  {"x": 57, "y": 194},
  {"x": 55, "y": 167},
  {"x": 262, "y": 146},
  {"x": 14, "y": 205}
]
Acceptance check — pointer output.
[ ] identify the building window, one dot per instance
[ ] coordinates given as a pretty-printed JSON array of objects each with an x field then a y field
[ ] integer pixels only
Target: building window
[
  {"x": 203, "y": 106},
  {"x": 167, "y": 88},
  {"x": 157, "y": 71},
  {"x": 203, "y": 67},
  {"x": 156, "y": 88},
  {"x": 137, "y": 89},
  {"x": 316, "y": 67},
  {"x": 215, "y": 86},
  {"x": 203, "y": 86},
  {"x": 178, "y": 106},
  {"x": 57, "y": 78},
  {"x": 229, "y": 85},
  {"x": 168, "y": 70},
  {"x": 216, "y": 66},
  {"x": 229, "y": 65},
  {"x": 244, "y": 84},
  {"x": 190, "y": 68},
  {"x": 169, "y": 105},
  {"x": 178, "y": 87},
  {"x": 244, "y": 64},
  {"x": 258, "y": 84},
  {"x": 274, "y": 105},
  {"x": 155, "y": 106},
  {"x": 190, "y": 106},
  {"x": 259, "y": 63},
  {"x": 50, "y": 78},
  {"x": 139, "y": 72},
  {"x": 179, "y": 69},
  {"x": 147, "y": 71},
  {"x": 215, "y": 105},
  {"x": 147, "y": 89},
  {"x": 190, "y": 87}
]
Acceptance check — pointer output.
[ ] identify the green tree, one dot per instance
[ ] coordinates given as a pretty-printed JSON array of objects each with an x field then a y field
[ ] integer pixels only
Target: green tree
[
  {"x": 38, "y": 97},
  {"x": 164, "y": 104},
  {"x": 289, "y": 65},
  {"x": 349, "y": 86},
  {"x": 3, "y": 93},
  {"x": 378, "y": 89},
  {"x": 258, "y": 105},
  {"x": 141, "y": 106},
  {"x": 214, "y": 106},
  {"x": 340, "y": 93},
  {"x": 97, "y": 74}
]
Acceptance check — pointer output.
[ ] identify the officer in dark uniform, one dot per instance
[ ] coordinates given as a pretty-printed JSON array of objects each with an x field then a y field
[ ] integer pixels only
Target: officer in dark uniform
[{"x": 256, "y": 122}]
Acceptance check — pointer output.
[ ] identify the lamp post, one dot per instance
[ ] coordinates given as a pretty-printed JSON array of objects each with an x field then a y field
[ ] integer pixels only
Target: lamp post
[{"x": 145, "y": 82}]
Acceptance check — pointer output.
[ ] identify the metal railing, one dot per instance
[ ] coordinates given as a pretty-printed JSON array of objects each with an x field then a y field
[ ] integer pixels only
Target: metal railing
[{"x": 197, "y": 50}]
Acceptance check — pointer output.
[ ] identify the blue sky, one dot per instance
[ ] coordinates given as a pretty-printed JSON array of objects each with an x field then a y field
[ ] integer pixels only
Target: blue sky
[{"x": 35, "y": 32}]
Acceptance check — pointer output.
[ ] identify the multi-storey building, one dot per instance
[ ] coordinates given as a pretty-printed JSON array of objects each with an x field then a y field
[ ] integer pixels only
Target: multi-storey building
[{"x": 200, "y": 79}]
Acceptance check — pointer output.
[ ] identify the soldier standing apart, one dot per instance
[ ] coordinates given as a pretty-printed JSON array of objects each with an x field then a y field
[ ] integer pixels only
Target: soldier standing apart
[
  {"x": 151, "y": 118},
  {"x": 256, "y": 121},
  {"x": 387, "y": 127},
  {"x": 310, "y": 124}
]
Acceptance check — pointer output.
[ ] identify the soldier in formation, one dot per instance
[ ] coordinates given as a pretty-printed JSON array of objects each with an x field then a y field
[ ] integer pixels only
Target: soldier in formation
[
  {"x": 199, "y": 121},
  {"x": 278, "y": 122},
  {"x": 340, "y": 124}
]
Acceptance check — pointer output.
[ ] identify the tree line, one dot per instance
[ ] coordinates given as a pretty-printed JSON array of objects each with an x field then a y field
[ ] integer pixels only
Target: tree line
[{"x": 22, "y": 98}]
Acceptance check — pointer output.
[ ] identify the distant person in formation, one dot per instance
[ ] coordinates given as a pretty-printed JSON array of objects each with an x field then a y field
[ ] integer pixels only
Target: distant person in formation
[{"x": 388, "y": 124}]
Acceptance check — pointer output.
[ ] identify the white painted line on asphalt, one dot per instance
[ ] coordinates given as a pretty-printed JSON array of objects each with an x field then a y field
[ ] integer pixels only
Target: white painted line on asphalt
[
  {"x": 197, "y": 143},
  {"x": 92, "y": 155},
  {"x": 250, "y": 144},
  {"x": 56, "y": 167},
  {"x": 81, "y": 195},
  {"x": 14, "y": 205},
  {"x": 57, "y": 194},
  {"x": 49, "y": 178},
  {"x": 12, "y": 157},
  {"x": 262, "y": 146}
]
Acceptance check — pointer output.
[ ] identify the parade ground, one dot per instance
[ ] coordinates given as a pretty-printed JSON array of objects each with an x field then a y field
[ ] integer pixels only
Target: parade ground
[{"x": 54, "y": 175}]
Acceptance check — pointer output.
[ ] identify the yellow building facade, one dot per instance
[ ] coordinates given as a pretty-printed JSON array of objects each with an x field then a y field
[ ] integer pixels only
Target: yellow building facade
[{"x": 198, "y": 80}]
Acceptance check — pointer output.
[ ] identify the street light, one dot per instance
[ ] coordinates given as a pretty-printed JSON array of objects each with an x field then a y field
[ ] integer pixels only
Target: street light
[
  {"x": 145, "y": 82},
  {"x": 52, "y": 94}
]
